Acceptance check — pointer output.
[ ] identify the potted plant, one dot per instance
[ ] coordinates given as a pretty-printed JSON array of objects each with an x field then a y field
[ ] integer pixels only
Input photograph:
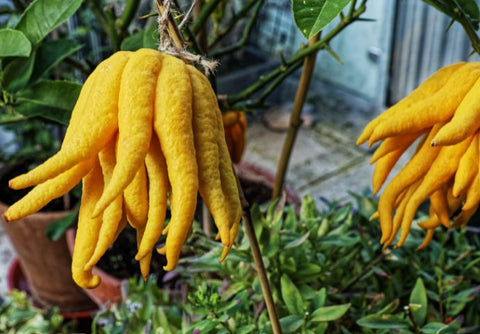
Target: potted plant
[{"x": 44, "y": 262}]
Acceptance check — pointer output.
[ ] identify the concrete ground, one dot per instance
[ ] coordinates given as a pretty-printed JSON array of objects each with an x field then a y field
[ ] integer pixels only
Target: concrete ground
[{"x": 325, "y": 161}]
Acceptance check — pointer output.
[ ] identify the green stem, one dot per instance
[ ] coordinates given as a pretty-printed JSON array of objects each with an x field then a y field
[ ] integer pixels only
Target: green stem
[
  {"x": 203, "y": 16},
  {"x": 299, "y": 55},
  {"x": 259, "y": 101},
  {"x": 295, "y": 119},
  {"x": 127, "y": 16},
  {"x": 112, "y": 30},
  {"x": 233, "y": 22},
  {"x": 245, "y": 35}
]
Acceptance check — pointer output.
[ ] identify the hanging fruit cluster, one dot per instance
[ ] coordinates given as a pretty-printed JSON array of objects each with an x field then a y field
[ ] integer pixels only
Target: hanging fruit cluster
[
  {"x": 146, "y": 130},
  {"x": 443, "y": 115}
]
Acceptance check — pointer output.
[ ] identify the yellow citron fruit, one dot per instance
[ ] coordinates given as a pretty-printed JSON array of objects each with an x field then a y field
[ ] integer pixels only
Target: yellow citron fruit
[
  {"x": 146, "y": 131},
  {"x": 444, "y": 112}
]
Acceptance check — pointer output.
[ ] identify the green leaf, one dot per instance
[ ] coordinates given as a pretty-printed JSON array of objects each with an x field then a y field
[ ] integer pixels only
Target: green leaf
[
  {"x": 17, "y": 73},
  {"x": 246, "y": 329},
  {"x": 52, "y": 100},
  {"x": 60, "y": 226},
  {"x": 14, "y": 44},
  {"x": 150, "y": 37},
  {"x": 291, "y": 296},
  {"x": 311, "y": 16},
  {"x": 291, "y": 323},
  {"x": 329, "y": 313},
  {"x": 434, "y": 328},
  {"x": 297, "y": 242},
  {"x": 419, "y": 297},
  {"x": 50, "y": 53},
  {"x": 391, "y": 307},
  {"x": 466, "y": 295},
  {"x": 385, "y": 321},
  {"x": 319, "y": 299},
  {"x": 203, "y": 326},
  {"x": 133, "y": 42},
  {"x": 470, "y": 8},
  {"x": 42, "y": 16},
  {"x": 308, "y": 210}
]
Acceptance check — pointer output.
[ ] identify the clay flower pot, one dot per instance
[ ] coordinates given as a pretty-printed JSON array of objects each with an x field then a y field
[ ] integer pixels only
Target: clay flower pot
[
  {"x": 109, "y": 290},
  {"x": 45, "y": 263}
]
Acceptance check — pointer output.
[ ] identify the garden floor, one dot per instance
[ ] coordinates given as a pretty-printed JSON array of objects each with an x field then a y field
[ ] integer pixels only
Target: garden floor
[{"x": 325, "y": 161}]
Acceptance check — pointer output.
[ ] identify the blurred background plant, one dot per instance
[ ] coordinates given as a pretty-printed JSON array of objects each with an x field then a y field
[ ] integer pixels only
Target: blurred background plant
[{"x": 19, "y": 315}]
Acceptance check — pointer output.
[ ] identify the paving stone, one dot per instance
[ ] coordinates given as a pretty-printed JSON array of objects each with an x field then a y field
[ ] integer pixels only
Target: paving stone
[{"x": 7, "y": 254}]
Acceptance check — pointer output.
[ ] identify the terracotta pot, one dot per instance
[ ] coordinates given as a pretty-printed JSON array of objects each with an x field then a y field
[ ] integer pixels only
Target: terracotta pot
[
  {"x": 16, "y": 280},
  {"x": 45, "y": 263},
  {"x": 109, "y": 290}
]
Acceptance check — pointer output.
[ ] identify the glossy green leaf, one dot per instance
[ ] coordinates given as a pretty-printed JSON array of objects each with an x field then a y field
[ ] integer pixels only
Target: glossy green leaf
[
  {"x": 246, "y": 329},
  {"x": 329, "y": 313},
  {"x": 42, "y": 16},
  {"x": 133, "y": 42},
  {"x": 50, "y": 53},
  {"x": 436, "y": 328},
  {"x": 470, "y": 8},
  {"x": 297, "y": 242},
  {"x": 311, "y": 16},
  {"x": 58, "y": 228},
  {"x": 150, "y": 37},
  {"x": 17, "y": 73},
  {"x": 385, "y": 321},
  {"x": 14, "y": 44},
  {"x": 291, "y": 296},
  {"x": 419, "y": 297},
  {"x": 391, "y": 307},
  {"x": 319, "y": 299},
  {"x": 291, "y": 323},
  {"x": 52, "y": 100}
]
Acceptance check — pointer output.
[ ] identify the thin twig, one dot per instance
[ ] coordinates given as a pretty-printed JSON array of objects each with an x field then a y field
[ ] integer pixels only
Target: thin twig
[
  {"x": 187, "y": 15},
  {"x": 259, "y": 102},
  {"x": 245, "y": 35},
  {"x": 233, "y": 22},
  {"x": 257, "y": 256},
  {"x": 203, "y": 16},
  {"x": 188, "y": 36}
]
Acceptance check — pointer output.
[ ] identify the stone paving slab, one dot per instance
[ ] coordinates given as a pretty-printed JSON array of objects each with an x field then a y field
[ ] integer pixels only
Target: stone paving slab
[{"x": 7, "y": 254}]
